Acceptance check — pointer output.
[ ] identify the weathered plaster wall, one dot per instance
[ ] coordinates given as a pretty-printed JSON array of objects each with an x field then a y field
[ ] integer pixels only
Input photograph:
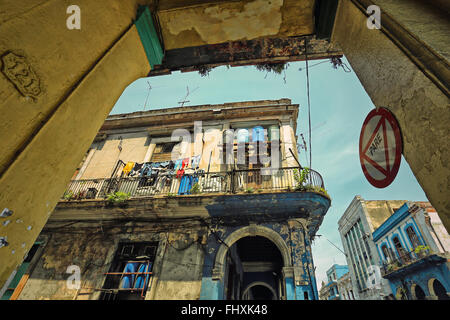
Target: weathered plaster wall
[
  {"x": 176, "y": 269},
  {"x": 378, "y": 211},
  {"x": 392, "y": 80},
  {"x": 90, "y": 252},
  {"x": 134, "y": 148},
  {"x": 35, "y": 181},
  {"x": 181, "y": 273},
  {"x": 58, "y": 56},
  {"x": 234, "y": 20},
  {"x": 416, "y": 20}
]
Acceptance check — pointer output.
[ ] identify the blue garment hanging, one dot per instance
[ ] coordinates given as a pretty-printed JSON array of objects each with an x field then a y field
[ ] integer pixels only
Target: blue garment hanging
[
  {"x": 258, "y": 134},
  {"x": 146, "y": 170},
  {"x": 178, "y": 164},
  {"x": 128, "y": 279},
  {"x": 186, "y": 184},
  {"x": 139, "y": 283}
]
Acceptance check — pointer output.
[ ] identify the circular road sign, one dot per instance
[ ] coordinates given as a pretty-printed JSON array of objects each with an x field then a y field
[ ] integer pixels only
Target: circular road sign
[{"x": 380, "y": 147}]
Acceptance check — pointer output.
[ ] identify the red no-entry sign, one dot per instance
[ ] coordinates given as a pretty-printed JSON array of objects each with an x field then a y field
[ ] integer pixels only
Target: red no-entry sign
[{"x": 380, "y": 147}]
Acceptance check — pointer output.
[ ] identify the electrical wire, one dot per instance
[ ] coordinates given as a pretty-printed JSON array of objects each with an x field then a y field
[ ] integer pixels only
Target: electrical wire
[{"x": 309, "y": 102}]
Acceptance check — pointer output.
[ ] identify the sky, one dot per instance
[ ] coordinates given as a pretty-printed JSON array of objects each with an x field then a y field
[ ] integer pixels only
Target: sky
[{"x": 339, "y": 105}]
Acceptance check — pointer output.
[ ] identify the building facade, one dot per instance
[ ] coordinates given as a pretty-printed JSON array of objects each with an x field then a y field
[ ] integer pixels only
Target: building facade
[
  {"x": 345, "y": 287},
  {"x": 356, "y": 226},
  {"x": 202, "y": 202},
  {"x": 413, "y": 246},
  {"x": 334, "y": 274}
]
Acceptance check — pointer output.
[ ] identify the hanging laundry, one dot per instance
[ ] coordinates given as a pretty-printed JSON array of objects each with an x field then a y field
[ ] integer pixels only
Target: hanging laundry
[
  {"x": 143, "y": 280},
  {"x": 127, "y": 169},
  {"x": 178, "y": 164},
  {"x": 185, "y": 163},
  {"x": 195, "y": 161},
  {"x": 146, "y": 169},
  {"x": 136, "y": 169},
  {"x": 164, "y": 164},
  {"x": 127, "y": 280},
  {"x": 155, "y": 164},
  {"x": 186, "y": 184},
  {"x": 180, "y": 173}
]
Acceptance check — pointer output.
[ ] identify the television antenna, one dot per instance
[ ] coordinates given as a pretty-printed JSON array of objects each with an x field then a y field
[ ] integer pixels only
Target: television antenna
[
  {"x": 187, "y": 94},
  {"x": 148, "y": 93}
]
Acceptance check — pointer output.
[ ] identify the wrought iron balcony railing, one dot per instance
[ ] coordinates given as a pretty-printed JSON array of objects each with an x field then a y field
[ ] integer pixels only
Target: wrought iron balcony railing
[
  {"x": 404, "y": 260},
  {"x": 235, "y": 181}
]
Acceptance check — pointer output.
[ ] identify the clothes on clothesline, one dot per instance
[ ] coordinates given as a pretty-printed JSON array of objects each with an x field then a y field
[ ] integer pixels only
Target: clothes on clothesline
[
  {"x": 195, "y": 161},
  {"x": 159, "y": 175},
  {"x": 136, "y": 169},
  {"x": 128, "y": 167}
]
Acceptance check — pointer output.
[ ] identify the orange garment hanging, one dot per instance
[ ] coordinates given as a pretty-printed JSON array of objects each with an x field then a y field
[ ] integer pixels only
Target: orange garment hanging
[{"x": 128, "y": 167}]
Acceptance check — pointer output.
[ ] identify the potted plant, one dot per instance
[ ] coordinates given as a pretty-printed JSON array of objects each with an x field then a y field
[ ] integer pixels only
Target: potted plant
[
  {"x": 118, "y": 198},
  {"x": 422, "y": 251}
]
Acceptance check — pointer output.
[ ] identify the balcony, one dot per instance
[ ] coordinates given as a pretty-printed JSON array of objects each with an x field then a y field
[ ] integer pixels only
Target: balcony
[
  {"x": 286, "y": 192},
  {"x": 228, "y": 182},
  {"x": 410, "y": 262}
]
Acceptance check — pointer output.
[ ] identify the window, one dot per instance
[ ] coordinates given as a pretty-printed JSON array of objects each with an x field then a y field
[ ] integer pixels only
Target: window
[
  {"x": 386, "y": 253},
  {"x": 130, "y": 272},
  {"x": 163, "y": 152},
  {"x": 412, "y": 237},
  {"x": 403, "y": 255}
]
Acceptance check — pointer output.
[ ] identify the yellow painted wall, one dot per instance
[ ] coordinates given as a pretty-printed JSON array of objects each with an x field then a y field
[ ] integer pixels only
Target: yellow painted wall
[
  {"x": 392, "y": 80},
  {"x": 34, "y": 183},
  {"x": 59, "y": 57},
  {"x": 134, "y": 148}
]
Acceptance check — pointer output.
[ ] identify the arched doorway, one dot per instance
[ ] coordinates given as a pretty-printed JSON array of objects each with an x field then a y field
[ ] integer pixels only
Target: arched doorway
[
  {"x": 417, "y": 292},
  {"x": 259, "y": 291},
  {"x": 253, "y": 270},
  {"x": 437, "y": 288}
]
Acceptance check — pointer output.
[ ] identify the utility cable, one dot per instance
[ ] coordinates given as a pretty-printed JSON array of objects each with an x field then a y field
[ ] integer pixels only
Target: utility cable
[{"x": 309, "y": 102}]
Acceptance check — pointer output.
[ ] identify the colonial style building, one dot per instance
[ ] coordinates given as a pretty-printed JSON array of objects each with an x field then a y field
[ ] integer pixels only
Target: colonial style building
[
  {"x": 345, "y": 287},
  {"x": 202, "y": 202},
  {"x": 330, "y": 290},
  {"x": 356, "y": 226},
  {"x": 414, "y": 248}
]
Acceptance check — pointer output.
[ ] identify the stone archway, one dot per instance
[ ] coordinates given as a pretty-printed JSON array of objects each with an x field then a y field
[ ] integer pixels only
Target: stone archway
[
  {"x": 417, "y": 292},
  {"x": 220, "y": 263},
  {"x": 259, "y": 283},
  {"x": 437, "y": 289}
]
